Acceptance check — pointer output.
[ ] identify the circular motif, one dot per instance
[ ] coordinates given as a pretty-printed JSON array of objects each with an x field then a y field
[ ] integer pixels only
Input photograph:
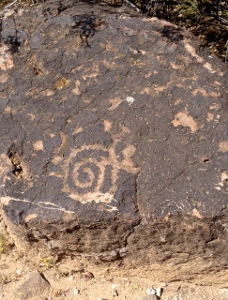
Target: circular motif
[{"x": 91, "y": 173}]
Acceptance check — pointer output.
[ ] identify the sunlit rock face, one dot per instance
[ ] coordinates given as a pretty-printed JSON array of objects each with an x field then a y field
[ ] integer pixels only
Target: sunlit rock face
[{"x": 113, "y": 134}]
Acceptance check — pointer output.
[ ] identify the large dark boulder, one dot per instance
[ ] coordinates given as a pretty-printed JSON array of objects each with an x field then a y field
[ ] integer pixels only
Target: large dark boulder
[{"x": 114, "y": 136}]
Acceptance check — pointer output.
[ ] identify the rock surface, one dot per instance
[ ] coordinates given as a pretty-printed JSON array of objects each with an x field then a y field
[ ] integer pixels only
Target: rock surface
[
  {"x": 114, "y": 137},
  {"x": 36, "y": 285}
]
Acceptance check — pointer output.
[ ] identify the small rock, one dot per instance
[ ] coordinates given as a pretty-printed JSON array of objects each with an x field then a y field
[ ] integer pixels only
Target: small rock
[
  {"x": 115, "y": 293},
  {"x": 114, "y": 286},
  {"x": 164, "y": 284},
  {"x": 36, "y": 285},
  {"x": 76, "y": 292},
  {"x": 150, "y": 291},
  {"x": 158, "y": 292},
  {"x": 88, "y": 275},
  {"x": 224, "y": 292}
]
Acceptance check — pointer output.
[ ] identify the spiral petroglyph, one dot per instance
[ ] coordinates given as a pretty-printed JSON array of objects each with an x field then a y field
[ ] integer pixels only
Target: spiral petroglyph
[
  {"x": 92, "y": 171},
  {"x": 88, "y": 167}
]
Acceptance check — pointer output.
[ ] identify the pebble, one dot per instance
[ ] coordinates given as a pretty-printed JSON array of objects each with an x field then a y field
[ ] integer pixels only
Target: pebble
[
  {"x": 71, "y": 278},
  {"x": 224, "y": 292},
  {"x": 35, "y": 285},
  {"x": 158, "y": 292},
  {"x": 114, "y": 286},
  {"x": 88, "y": 275},
  {"x": 76, "y": 292},
  {"x": 164, "y": 284},
  {"x": 150, "y": 291}
]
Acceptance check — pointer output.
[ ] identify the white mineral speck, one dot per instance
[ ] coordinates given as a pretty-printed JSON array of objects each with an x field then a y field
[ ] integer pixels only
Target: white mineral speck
[{"x": 130, "y": 100}]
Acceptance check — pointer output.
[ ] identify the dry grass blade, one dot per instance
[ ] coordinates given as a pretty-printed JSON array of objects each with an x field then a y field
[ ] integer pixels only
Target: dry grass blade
[{"x": 11, "y": 4}]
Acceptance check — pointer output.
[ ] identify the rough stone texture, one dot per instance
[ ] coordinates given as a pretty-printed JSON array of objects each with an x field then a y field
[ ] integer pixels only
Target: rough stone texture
[
  {"x": 35, "y": 285},
  {"x": 114, "y": 138}
]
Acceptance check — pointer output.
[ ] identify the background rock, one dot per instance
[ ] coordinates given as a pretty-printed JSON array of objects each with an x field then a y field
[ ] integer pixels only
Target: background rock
[{"x": 113, "y": 137}]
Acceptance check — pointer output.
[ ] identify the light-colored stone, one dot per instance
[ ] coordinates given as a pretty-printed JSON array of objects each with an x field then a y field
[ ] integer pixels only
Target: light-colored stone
[{"x": 35, "y": 285}]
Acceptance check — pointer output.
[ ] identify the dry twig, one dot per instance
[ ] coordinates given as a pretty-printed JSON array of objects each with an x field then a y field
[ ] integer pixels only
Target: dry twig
[{"x": 11, "y": 4}]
